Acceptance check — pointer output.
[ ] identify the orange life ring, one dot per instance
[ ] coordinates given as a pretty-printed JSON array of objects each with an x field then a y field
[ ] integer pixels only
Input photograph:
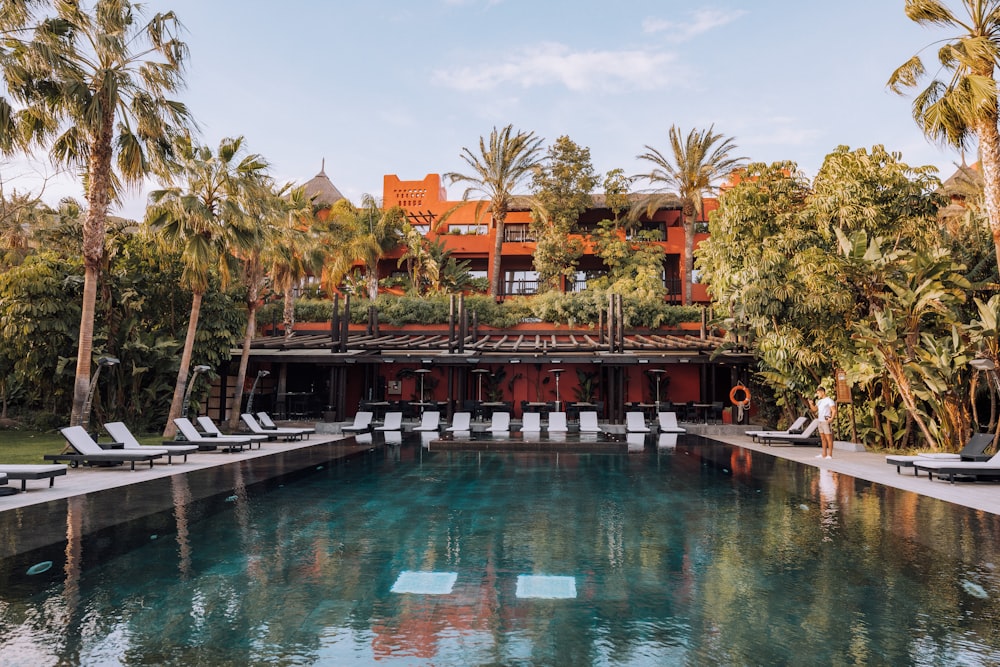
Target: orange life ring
[{"x": 745, "y": 402}]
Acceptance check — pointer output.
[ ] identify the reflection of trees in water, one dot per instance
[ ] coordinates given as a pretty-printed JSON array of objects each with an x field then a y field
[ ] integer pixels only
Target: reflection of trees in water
[
  {"x": 896, "y": 563},
  {"x": 658, "y": 567}
]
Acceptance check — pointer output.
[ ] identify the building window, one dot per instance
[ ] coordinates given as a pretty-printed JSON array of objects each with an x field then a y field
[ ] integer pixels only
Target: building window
[{"x": 520, "y": 282}]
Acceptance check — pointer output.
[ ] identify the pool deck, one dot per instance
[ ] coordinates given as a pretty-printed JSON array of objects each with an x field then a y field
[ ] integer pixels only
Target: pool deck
[{"x": 984, "y": 496}]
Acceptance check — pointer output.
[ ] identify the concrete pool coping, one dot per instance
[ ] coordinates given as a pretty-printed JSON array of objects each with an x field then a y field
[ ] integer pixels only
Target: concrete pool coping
[{"x": 984, "y": 496}]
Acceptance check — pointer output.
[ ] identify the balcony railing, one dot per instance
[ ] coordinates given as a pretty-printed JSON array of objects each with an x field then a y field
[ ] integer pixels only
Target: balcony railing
[
  {"x": 519, "y": 287},
  {"x": 517, "y": 234}
]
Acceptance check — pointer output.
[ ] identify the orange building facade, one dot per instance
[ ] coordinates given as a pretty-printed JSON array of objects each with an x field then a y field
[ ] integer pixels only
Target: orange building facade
[{"x": 334, "y": 369}]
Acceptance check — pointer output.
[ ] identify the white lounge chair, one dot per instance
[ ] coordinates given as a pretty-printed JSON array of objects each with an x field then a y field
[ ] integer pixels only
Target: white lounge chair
[
  {"x": 500, "y": 423},
  {"x": 265, "y": 420},
  {"x": 26, "y": 471},
  {"x": 119, "y": 432},
  {"x": 362, "y": 422},
  {"x": 668, "y": 423},
  {"x": 953, "y": 469},
  {"x": 531, "y": 422},
  {"x": 209, "y": 428},
  {"x": 393, "y": 422},
  {"x": 636, "y": 442},
  {"x": 588, "y": 422},
  {"x": 974, "y": 450},
  {"x": 191, "y": 434},
  {"x": 89, "y": 451},
  {"x": 807, "y": 437},
  {"x": 461, "y": 421},
  {"x": 289, "y": 433},
  {"x": 430, "y": 421},
  {"x": 557, "y": 423},
  {"x": 635, "y": 422},
  {"x": 795, "y": 427}
]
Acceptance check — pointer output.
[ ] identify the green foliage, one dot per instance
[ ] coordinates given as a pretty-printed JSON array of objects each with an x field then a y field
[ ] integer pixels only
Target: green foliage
[
  {"x": 634, "y": 265},
  {"x": 847, "y": 273},
  {"x": 39, "y": 324},
  {"x": 579, "y": 309},
  {"x": 562, "y": 185}
]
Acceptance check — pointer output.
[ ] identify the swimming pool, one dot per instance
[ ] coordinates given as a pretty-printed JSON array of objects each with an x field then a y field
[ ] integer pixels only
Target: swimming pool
[{"x": 696, "y": 554}]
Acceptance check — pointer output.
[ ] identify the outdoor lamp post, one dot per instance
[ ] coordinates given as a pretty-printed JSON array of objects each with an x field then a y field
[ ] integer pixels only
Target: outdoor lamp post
[
  {"x": 558, "y": 372},
  {"x": 422, "y": 372},
  {"x": 260, "y": 374},
  {"x": 103, "y": 362},
  {"x": 195, "y": 372},
  {"x": 659, "y": 376},
  {"x": 480, "y": 372}
]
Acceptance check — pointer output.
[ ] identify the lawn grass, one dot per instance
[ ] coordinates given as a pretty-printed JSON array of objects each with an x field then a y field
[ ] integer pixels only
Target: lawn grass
[{"x": 29, "y": 446}]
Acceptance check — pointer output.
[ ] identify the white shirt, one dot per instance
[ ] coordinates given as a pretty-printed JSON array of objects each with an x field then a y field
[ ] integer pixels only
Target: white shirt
[{"x": 825, "y": 408}]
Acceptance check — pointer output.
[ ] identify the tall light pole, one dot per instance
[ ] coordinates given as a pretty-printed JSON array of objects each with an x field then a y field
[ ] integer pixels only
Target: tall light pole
[
  {"x": 659, "y": 376},
  {"x": 260, "y": 374},
  {"x": 103, "y": 362},
  {"x": 195, "y": 372},
  {"x": 558, "y": 372}
]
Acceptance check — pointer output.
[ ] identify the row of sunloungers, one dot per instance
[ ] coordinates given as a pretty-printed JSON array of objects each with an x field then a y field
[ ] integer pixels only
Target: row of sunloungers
[
  {"x": 127, "y": 448},
  {"x": 531, "y": 422}
]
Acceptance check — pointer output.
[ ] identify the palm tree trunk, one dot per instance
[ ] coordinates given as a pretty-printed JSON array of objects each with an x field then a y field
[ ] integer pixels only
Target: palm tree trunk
[
  {"x": 241, "y": 375},
  {"x": 495, "y": 274},
  {"x": 98, "y": 201},
  {"x": 989, "y": 157},
  {"x": 688, "y": 259},
  {"x": 288, "y": 313},
  {"x": 182, "y": 373}
]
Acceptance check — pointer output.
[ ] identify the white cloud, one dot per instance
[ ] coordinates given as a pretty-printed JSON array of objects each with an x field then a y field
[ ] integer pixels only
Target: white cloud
[
  {"x": 579, "y": 71},
  {"x": 700, "y": 22}
]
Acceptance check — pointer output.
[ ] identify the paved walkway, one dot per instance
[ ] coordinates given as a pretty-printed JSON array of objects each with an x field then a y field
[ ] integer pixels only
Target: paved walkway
[{"x": 983, "y": 496}]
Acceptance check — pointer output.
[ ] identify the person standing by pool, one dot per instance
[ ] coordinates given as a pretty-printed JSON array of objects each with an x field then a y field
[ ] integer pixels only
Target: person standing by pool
[{"x": 826, "y": 410}]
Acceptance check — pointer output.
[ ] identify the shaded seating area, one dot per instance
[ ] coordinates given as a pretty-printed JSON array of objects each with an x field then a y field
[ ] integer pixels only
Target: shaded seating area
[
  {"x": 119, "y": 432},
  {"x": 89, "y": 452},
  {"x": 974, "y": 450},
  {"x": 26, "y": 471}
]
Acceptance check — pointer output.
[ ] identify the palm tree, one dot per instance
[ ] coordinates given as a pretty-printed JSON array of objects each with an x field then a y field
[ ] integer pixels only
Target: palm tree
[
  {"x": 363, "y": 234},
  {"x": 275, "y": 211},
  {"x": 963, "y": 108},
  {"x": 496, "y": 171},
  {"x": 296, "y": 254},
  {"x": 206, "y": 219},
  {"x": 95, "y": 87},
  {"x": 695, "y": 164}
]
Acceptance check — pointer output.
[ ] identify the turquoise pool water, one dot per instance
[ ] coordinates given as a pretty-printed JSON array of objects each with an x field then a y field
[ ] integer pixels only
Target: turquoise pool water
[{"x": 701, "y": 554}]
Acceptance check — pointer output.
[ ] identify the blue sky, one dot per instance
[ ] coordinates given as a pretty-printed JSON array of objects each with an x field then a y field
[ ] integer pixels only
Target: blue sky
[{"x": 401, "y": 86}]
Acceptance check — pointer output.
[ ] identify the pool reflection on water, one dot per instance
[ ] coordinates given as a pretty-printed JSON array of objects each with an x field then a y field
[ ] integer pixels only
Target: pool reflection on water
[{"x": 695, "y": 553}]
